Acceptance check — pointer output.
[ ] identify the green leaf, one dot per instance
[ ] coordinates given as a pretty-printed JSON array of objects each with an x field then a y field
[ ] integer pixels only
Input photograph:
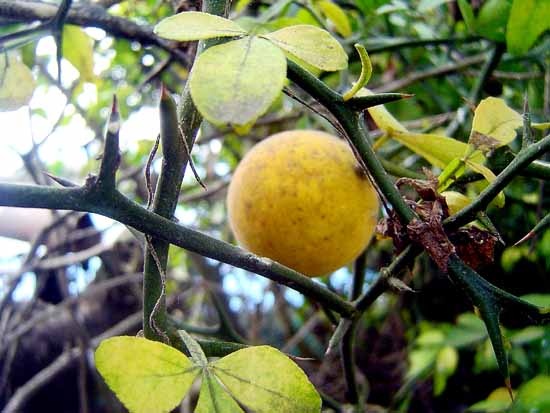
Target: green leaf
[
  {"x": 533, "y": 396},
  {"x": 147, "y": 376},
  {"x": 311, "y": 44},
  {"x": 265, "y": 380},
  {"x": 194, "y": 25},
  {"x": 16, "y": 83},
  {"x": 528, "y": 20},
  {"x": 494, "y": 124},
  {"x": 236, "y": 82},
  {"x": 197, "y": 354},
  {"x": 78, "y": 50},
  {"x": 366, "y": 72},
  {"x": 214, "y": 399},
  {"x": 467, "y": 14},
  {"x": 492, "y": 19},
  {"x": 337, "y": 16}
]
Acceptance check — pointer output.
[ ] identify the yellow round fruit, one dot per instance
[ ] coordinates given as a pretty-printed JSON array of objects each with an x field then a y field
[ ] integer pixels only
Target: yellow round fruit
[{"x": 298, "y": 198}]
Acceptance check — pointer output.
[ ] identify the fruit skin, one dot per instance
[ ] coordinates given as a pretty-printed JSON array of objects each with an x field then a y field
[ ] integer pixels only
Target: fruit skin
[{"x": 297, "y": 197}]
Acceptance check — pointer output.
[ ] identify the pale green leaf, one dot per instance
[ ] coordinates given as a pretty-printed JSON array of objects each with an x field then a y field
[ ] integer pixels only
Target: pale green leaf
[
  {"x": 337, "y": 16},
  {"x": 264, "y": 380},
  {"x": 528, "y": 20},
  {"x": 147, "y": 376},
  {"x": 533, "y": 396},
  {"x": 78, "y": 50},
  {"x": 16, "y": 83},
  {"x": 214, "y": 399},
  {"x": 194, "y": 25},
  {"x": 382, "y": 117},
  {"x": 490, "y": 177},
  {"x": 311, "y": 44},
  {"x": 436, "y": 149},
  {"x": 494, "y": 124},
  {"x": 236, "y": 82}
]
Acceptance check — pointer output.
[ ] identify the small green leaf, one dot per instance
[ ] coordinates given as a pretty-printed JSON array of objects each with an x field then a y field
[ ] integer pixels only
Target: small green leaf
[
  {"x": 147, "y": 376},
  {"x": 492, "y": 19},
  {"x": 265, "y": 380},
  {"x": 366, "y": 72},
  {"x": 311, "y": 44},
  {"x": 78, "y": 50},
  {"x": 214, "y": 399},
  {"x": 194, "y": 25},
  {"x": 494, "y": 124},
  {"x": 467, "y": 14},
  {"x": 16, "y": 83},
  {"x": 197, "y": 355},
  {"x": 236, "y": 82},
  {"x": 528, "y": 20},
  {"x": 337, "y": 16}
]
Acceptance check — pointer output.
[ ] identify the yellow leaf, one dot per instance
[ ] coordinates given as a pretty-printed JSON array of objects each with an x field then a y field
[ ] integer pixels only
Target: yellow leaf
[
  {"x": 436, "y": 149},
  {"x": 382, "y": 117},
  {"x": 456, "y": 201},
  {"x": 494, "y": 124}
]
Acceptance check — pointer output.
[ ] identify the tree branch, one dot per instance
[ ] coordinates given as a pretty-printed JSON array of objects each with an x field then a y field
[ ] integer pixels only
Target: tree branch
[
  {"x": 90, "y": 15},
  {"x": 116, "y": 206}
]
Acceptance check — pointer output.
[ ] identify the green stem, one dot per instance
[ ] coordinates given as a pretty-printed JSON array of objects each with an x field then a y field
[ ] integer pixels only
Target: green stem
[{"x": 164, "y": 204}]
